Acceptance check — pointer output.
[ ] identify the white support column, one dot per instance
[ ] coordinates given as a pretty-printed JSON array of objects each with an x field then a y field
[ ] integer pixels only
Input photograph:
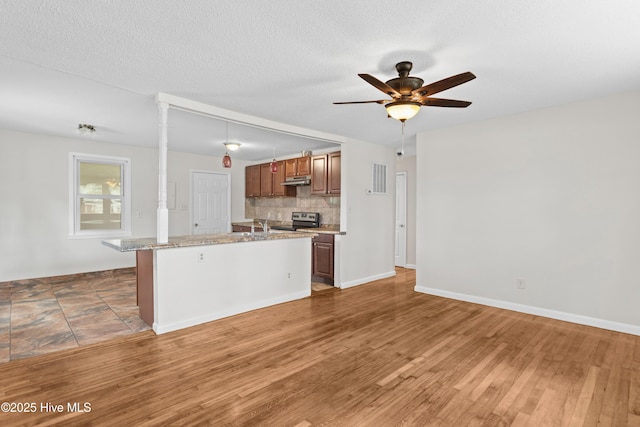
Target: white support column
[{"x": 162, "y": 234}]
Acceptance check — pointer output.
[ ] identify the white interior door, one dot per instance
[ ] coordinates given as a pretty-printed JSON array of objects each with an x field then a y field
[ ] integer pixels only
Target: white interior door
[
  {"x": 210, "y": 203},
  {"x": 401, "y": 219}
]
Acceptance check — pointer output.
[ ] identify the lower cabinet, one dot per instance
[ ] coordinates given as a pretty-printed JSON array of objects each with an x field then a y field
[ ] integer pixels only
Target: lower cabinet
[
  {"x": 322, "y": 258},
  {"x": 144, "y": 285},
  {"x": 241, "y": 228}
]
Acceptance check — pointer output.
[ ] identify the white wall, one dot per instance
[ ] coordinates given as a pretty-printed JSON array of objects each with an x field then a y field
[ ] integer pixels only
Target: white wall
[
  {"x": 366, "y": 252},
  {"x": 179, "y": 168},
  {"x": 551, "y": 197},
  {"x": 34, "y": 207},
  {"x": 34, "y": 192},
  {"x": 408, "y": 164}
]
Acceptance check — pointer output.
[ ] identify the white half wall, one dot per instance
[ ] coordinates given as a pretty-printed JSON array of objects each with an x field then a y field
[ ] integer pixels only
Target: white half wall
[
  {"x": 550, "y": 198},
  {"x": 198, "y": 284}
]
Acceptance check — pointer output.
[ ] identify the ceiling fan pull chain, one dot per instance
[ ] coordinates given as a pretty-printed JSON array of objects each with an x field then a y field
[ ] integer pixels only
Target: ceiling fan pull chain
[{"x": 402, "y": 149}]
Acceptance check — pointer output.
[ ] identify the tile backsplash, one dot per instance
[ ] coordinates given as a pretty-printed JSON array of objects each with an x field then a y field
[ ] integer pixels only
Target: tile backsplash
[{"x": 280, "y": 208}]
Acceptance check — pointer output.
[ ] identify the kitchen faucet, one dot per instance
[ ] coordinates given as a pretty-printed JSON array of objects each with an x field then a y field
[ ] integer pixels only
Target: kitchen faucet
[{"x": 264, "y": 226}]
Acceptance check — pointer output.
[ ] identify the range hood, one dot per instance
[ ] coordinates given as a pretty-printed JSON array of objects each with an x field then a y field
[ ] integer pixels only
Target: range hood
[{"x": 297, "y": 180}]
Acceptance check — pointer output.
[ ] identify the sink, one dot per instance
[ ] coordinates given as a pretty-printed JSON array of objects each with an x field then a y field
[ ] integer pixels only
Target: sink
[{"x": 257, "y": 234}]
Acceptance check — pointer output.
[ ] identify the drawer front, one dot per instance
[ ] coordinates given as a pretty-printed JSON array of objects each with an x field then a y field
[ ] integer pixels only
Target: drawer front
[{"x": 323, "y": 238}]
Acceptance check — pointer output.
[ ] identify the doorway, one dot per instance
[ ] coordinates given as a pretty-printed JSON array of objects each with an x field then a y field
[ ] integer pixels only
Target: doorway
[
  {"x": 210, "y": 202},
  {"x": 401, "y": 219}
]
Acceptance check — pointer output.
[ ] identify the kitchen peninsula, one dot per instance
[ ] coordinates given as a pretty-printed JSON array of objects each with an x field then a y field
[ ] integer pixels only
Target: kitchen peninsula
[{"x": 199, "y": 278}]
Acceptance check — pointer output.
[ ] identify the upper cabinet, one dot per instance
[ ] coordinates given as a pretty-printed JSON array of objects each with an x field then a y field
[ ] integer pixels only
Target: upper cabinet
[
  {"x": 325, "y": 174},
  {"x": 278, "y": 179},
  {"x": 333, "y": 173},
  {"x": 271, "y": 183},
  {"x": 300, "y": 166},
  {"x": 252, "y": 181},
  {"x": 323, "y": 169}
]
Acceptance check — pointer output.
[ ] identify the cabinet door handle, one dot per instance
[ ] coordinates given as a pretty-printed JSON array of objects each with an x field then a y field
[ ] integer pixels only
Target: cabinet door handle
[{"x": 195, "y": 225}]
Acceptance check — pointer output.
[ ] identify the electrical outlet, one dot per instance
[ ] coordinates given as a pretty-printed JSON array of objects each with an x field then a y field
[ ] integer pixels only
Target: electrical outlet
[
  {"x": 521, "y": 284},
  {"x": 288, "y": 275},
  {"x": 200, "y": 257}
]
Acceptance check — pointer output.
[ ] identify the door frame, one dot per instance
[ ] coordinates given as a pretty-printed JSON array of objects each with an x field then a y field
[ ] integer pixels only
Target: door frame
[
  {"x": 192, "y": 173},
  {"x": 403, "y": 257}
]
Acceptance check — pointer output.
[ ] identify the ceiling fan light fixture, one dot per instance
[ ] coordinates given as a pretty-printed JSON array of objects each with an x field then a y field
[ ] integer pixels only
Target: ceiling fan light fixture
[
  {"x": 402, "y": 110},
  {"x": 232, "y": 146}
]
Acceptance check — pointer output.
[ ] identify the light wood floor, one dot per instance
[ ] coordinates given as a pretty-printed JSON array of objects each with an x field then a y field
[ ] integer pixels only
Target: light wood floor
[{"x": 378, "y": 354}]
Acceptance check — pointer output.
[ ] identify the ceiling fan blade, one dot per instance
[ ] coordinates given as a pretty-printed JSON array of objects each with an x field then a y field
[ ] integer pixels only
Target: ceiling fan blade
[
  {"x": 380, "y": 85},
  {"x": 440, "y": 102},
  {"x": 380, "y": 101},
  {"x": 444, "y": 84}
]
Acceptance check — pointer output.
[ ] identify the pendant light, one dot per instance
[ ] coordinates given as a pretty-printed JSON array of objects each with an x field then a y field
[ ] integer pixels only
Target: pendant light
[
  {"x": 226, "y": 160},
  {"x": 274, "y": 164}
]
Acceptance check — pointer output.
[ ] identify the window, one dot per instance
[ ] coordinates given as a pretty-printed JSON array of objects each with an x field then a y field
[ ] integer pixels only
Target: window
[{"x": 100, "y": 196}]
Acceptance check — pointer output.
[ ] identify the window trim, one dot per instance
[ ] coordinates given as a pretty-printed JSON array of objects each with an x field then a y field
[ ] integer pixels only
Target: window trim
[{"x": 74, "y": 207}]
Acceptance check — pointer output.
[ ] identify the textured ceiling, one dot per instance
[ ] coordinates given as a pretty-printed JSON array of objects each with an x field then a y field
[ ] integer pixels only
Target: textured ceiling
[{"x": 102, "y": 62}]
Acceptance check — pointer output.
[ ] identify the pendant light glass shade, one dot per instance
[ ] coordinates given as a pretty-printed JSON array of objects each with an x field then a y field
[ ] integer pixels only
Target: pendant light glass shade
[
  {"x": 226, "y": 160},
  {"x": 274, "y": 164}
]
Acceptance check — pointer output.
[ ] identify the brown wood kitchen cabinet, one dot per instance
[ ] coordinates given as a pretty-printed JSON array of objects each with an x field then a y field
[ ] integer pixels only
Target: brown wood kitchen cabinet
[
  {"x": 241, "y": 228},
  {"x": 333, "y": 172},
  {"x": 325, "y": 174},
  {"x": 300, "y": 166},
  {"x": 322, "y": 258},
  {"x": 144, "y": 285},
  {"x": 271, "y": 183},
  {"x": 252, "y": 181}
]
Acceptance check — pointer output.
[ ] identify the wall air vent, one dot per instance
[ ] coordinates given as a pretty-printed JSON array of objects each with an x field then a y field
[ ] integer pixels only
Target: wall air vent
[{"x": 378, "y": 178}]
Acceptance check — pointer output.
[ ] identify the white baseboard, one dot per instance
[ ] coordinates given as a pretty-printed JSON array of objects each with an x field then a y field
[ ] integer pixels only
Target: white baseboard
[
  {"x": 209, "y": 317},
  {"x": 411, "y": 266},
  {"x": 552, "y": 314},
  {"x": 364, "y": 280}
]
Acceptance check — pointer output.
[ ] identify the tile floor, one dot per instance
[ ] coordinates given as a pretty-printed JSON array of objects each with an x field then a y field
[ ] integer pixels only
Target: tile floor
[
  {"x": 40, "y": 316},
  {"x": 317, "y": 287}
]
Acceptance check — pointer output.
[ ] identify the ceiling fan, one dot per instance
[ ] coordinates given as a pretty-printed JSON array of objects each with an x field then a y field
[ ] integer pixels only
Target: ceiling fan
[{"x": 408, "y": 95}]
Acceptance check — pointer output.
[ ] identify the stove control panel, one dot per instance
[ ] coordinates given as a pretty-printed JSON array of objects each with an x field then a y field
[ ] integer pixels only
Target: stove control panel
[{"x": 305, "y": 216}]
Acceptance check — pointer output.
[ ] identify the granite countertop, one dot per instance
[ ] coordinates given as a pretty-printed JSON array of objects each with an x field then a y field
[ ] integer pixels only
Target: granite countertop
[
  {"x": 150, "y": 243},
  {"x": 323, "y": 229}
]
